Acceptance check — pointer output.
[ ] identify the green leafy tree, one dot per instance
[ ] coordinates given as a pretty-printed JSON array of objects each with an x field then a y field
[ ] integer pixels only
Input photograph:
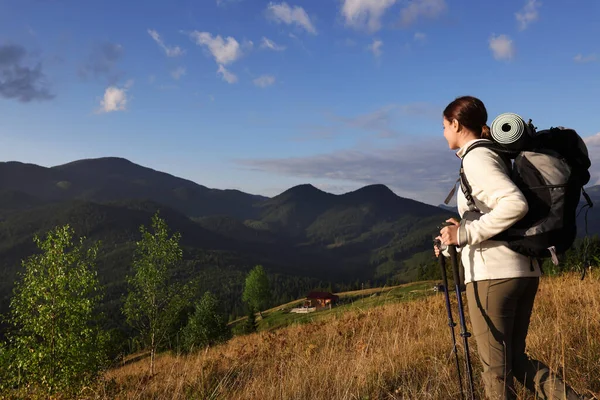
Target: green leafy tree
[
  {"x": 207, "y": 325},
  {"x": 249, "y": 324},
  {"x": 7, "y": 366},
  {"x": 154, "y": 299},
  {"x": 57, "y": 342},
  {"x": 257, "y": 292}
]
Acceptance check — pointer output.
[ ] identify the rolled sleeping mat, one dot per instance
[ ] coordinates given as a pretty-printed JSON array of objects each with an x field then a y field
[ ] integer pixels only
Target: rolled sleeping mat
[{"x": 510, "y": 131}]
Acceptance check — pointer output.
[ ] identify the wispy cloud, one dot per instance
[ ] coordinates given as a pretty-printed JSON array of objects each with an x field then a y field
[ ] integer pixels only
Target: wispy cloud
[
  {"x": 267, "y": 43},
  {"x": 375, "y": 48},
  {"x": 264, "y": 81},
  {"x": 336, "y": 188},
  {"x": 380, "y": 122},
  {"x": 170, "y": 51},
  {"x": 226, "y": 75},
  {"x": 425, "y": 170},
  {"x": 102, "y": 63},
  {"x": 225, "y": 51},
  {"x": 115, "y": 98},
  {"x": 502, "y": 47},
  {"x": 593, "y": 145},
  {"x": 291, "y": 15},
  {"x": 225, "y": 2},
  {"x": 580, "y": 58},
  {"x": 528, "y": 14},
  {"x": 417, "y": 9},
  {"x": 365, "y": 14},
  {"x": 178, "y": 72},
  {"x": 30, "y": 31},
  {"x": 18, "y": 81},
  {"x": 420, "y": 37}
]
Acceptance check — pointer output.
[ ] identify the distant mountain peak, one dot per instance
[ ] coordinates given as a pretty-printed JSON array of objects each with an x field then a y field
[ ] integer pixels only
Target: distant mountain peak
[
  {"x": 305, "y": 186},
  {"x": 376, "y": 190},
  {"x": 303, "y": 190},
  {"x": 99, "y": 160}
]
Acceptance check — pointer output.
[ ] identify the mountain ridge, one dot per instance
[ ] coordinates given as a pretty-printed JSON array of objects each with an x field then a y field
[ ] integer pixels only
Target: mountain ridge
[
  {"x": 303, "y": 235},
  {"x": 113, "y": 178}
]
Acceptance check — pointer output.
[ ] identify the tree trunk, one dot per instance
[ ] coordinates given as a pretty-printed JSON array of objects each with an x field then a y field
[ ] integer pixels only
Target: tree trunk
[{"x": 152, "y": 352}]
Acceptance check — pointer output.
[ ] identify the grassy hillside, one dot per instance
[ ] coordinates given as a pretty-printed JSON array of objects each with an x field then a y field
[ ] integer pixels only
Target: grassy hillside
[{"x": 394, "y": 350}]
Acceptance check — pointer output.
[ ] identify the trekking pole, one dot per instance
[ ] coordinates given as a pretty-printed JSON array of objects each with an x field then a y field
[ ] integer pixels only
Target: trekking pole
[
  {"x": 451, "y": 322},
  {"x": 464, "y": 333}
]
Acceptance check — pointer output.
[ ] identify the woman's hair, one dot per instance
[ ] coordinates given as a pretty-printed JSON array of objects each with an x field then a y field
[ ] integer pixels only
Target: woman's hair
[{"x": 470, "y": 112}]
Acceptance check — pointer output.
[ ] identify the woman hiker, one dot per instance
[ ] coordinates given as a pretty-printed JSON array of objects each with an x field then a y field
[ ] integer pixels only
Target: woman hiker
[{"x": 501, "y": 284}]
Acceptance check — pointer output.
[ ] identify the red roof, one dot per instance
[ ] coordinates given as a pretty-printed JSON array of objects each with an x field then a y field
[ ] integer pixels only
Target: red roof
[{"x": 322, "y": 295}]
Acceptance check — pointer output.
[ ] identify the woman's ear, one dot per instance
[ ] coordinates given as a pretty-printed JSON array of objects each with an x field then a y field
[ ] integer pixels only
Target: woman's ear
[{"x": 455, "y": 125}]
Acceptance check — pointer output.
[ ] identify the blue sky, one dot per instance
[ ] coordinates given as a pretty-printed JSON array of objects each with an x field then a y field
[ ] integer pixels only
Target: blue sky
[{"x": 261, "y": 96}]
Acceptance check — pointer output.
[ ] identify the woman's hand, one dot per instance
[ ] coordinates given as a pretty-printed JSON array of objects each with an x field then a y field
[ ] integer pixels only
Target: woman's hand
[{"x": 449, "y": 234}]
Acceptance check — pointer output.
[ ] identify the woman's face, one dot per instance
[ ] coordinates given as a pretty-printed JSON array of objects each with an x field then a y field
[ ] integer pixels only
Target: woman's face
[{"x": 451, "y": 133}]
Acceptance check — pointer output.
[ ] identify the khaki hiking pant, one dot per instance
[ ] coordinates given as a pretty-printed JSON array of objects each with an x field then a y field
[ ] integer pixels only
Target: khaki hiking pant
[{"x": 500, "y": 311}]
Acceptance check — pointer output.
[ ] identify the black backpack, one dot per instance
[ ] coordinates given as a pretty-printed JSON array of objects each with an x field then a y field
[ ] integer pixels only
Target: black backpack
[{"x": 550, "y": 171}]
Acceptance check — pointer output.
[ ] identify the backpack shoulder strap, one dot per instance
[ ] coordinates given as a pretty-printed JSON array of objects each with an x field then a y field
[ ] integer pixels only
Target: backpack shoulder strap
[{"x": 464, "y": 183}]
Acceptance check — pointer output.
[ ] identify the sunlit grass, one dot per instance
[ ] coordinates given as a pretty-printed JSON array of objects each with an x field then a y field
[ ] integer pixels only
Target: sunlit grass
[{"x": 384, "y": 349}]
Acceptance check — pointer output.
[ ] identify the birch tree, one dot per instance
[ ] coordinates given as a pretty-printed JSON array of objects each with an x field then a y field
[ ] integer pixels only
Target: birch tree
[{"x": 154, "y": 300}]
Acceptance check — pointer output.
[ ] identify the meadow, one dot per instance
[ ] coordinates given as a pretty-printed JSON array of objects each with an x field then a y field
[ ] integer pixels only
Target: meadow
[{"x": 392, "y": 345}]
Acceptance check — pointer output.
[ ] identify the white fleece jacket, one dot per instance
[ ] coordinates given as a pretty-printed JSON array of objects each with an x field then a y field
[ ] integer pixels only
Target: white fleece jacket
[{"x": 502, "y": 205}]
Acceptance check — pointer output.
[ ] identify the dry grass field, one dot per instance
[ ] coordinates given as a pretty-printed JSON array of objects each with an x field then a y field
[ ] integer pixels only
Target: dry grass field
[{"x": 393, "y": 351}]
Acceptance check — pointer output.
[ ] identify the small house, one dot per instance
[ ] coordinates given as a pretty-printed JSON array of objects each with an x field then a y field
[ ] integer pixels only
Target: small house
[{"x": 321, "y": 300}]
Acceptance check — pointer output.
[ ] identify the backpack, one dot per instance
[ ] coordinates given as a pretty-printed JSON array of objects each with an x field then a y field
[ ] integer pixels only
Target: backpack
[{"x": 550, "y": 168}]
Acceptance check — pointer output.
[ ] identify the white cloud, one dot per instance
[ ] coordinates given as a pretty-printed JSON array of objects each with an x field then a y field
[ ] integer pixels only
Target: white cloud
[
  {"x": 593, "y": 145},
  {"x": 580, "y": 58},
  {"x": 225, "y": 51},
  {"x": 115, "y": 99},
  {"x": 426, "y": 170},
  {"x": 375, "y": 47},
  {"x": 264, "y": 81},
  {"x": 267, "y": 43},
  {"x": 169, "y": 51},
  {"x": 421, "y": 8},
  {"x": 283, "y": 13},
  {"x": 593, "y": 140},
  {"x": 502, "y": 47},
  {"x": 226, "y": 75},
  {"x": 365, "y": 13},
  {"x": 420, "y": 37},
  {"x": 178, "y": 73},
  {"x": 528, "y": 14}
]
